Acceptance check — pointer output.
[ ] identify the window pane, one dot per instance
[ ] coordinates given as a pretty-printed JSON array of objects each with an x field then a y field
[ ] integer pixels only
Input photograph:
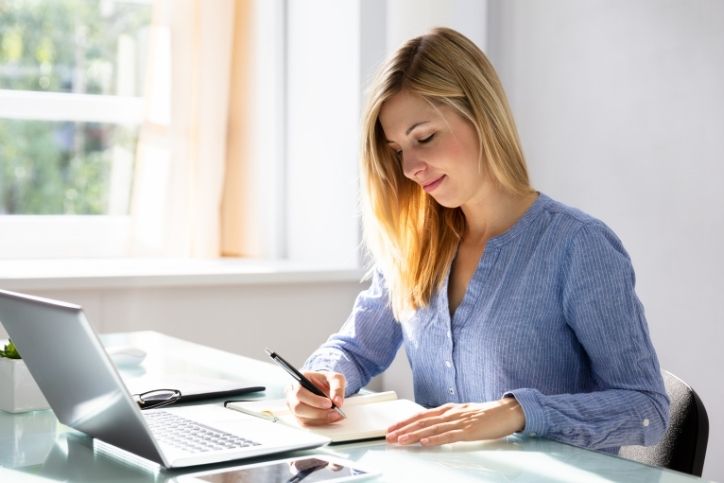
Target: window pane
[
  {"x": 81, "y": 46},
  {"x": 65, "y": 167}
]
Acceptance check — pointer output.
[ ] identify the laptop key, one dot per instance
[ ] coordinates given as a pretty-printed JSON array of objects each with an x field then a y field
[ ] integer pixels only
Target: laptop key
[{"x": 191, "y": 436}]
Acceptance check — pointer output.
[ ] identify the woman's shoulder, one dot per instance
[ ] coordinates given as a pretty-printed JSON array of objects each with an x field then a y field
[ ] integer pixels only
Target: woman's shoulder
[
  {"x": 574, "y": 226},
  {"x": 568, "y": 218},
  {"x": 564, "y": 212}
]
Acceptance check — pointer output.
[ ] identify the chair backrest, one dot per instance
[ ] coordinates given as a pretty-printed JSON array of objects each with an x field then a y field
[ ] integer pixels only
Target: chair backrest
[{"x": 683, "y": 446}]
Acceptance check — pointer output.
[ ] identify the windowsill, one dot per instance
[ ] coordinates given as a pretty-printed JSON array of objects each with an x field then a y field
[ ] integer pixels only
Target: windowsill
[{"x": 162, "y": 272}]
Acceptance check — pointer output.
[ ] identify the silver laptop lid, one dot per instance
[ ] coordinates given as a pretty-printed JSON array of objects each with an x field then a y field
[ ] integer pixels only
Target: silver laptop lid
[{"x": 74, "y": 372}]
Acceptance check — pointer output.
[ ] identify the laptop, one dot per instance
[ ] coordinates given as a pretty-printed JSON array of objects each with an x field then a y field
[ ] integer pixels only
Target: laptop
[{"x": 86, "y": 392}]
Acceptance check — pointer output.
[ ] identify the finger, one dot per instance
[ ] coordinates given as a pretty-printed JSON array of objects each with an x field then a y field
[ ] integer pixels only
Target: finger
[
  {"x": 329, "y": 417},
  {"x": 305, "y": 403},
  {"x": 303, "y": 410},
  {"x": 418, "y": 424},
  {"x": 319, "y": 379},
  {"x": 416, "y": 417},
  {"x": 414, "y": 436},
  {"x": 309, "y": 408},
  {"x": 337, "y": 385},
  {"x": 312, "y": 415},
  {"x": 443, "y": 438}
]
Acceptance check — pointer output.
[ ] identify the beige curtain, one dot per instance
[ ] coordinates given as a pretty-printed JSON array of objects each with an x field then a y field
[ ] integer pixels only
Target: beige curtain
[
  {"x": 236, "y": 202},
  {"x": 182, "y": 152}
]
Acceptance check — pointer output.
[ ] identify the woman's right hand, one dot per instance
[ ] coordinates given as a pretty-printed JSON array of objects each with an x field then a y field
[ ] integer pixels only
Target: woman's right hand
[{"x": 314, "y": 410}]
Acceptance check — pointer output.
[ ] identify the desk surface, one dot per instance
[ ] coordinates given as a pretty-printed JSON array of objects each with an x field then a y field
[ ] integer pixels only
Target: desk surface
[{"x": 34, "y": 446}]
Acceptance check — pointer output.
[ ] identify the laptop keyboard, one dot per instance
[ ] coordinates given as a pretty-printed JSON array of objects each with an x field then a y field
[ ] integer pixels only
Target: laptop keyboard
[{"x": 191, "y": 436}]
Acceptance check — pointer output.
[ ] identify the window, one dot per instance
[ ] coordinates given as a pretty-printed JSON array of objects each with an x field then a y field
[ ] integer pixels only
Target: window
[
  {"x": 71, "y": 107},
  {"x": 71, "y": 79},
  {"x": 71, "y": 87}
]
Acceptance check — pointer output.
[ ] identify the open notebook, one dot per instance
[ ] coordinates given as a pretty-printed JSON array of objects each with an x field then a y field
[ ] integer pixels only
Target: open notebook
[{"x": 368, "y": 415}]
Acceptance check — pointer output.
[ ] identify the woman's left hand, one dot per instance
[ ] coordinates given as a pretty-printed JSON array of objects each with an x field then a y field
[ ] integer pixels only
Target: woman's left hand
[{"x": 459, "y": 422}]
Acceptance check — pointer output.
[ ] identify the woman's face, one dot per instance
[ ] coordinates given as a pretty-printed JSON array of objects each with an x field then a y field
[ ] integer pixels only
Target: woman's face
[{"x": 438, "y": 148}]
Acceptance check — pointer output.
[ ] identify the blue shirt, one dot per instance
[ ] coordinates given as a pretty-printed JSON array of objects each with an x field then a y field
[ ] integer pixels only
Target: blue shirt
[{"x": 550, "y": 317}]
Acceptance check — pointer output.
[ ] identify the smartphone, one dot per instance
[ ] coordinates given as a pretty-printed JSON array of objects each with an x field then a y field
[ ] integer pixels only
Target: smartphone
[{"x": 304, "y": 469}]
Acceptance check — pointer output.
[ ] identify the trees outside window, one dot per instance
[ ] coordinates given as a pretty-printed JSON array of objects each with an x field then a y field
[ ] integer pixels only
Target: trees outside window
[{"x": 71, "y": 87}]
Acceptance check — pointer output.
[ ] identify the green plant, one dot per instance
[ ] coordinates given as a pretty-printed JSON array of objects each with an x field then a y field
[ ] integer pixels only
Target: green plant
[{"x": 10, "y": 351}]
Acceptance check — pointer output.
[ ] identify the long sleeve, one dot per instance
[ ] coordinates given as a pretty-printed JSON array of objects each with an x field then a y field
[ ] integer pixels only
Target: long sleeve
[
  {"x": 367, "y": 342},
  {"x": 629, "y": 403}
]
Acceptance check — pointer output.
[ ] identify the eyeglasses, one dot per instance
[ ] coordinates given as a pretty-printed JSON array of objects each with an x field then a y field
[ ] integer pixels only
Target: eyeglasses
[{"x": 157, "y": 398}]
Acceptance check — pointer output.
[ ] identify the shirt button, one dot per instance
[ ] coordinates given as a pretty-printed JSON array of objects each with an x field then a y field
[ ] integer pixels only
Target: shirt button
[
  {"x": 448, "y": 364},
  {"x": 450, "y": 391},
  {"x": 449, "y": 335},
  {"x": 533, "y": 434},
  {"x": 645, "y": 422}
]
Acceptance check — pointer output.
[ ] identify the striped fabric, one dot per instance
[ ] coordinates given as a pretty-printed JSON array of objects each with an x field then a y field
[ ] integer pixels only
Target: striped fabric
[{"x": 550, "y": 317}]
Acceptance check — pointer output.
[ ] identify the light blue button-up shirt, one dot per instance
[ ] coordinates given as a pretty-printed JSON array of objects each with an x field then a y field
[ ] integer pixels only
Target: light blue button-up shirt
[{"x": 550, "y": 317}]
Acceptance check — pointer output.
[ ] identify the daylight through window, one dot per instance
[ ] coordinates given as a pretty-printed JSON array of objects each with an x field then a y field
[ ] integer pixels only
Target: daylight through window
[{"x": 71, "y": 87}]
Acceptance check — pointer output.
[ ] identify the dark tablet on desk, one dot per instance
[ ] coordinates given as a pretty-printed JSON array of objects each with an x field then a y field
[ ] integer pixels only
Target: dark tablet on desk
[{"x": 305, "y": 469}]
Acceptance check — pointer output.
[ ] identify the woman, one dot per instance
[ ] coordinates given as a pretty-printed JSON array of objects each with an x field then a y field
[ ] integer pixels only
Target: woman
[{"x": 518, "y": 314}]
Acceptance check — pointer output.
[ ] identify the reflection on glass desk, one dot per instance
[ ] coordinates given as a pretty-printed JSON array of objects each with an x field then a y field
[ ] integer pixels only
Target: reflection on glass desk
[{"x": 35, "y": 447}]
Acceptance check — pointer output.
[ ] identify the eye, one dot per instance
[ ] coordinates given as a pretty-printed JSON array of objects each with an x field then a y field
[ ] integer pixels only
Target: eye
[{"x": 427, "y": 139}]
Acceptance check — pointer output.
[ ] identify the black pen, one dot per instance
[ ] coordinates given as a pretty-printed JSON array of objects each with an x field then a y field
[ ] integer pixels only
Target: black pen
[{"x": 303, "y": 381}]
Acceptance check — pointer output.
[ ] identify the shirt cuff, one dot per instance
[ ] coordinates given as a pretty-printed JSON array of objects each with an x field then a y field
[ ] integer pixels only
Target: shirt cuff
[{"x": 535, "y": 418}]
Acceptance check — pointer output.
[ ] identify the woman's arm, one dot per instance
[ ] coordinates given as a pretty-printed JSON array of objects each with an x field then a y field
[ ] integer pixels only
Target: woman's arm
[
  {"x": 367, "y": 342},
  {"x": 630, "y": 405}
]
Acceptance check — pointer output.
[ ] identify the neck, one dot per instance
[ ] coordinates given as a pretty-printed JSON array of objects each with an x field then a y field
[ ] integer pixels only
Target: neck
[{"x": 493, "y": 214}]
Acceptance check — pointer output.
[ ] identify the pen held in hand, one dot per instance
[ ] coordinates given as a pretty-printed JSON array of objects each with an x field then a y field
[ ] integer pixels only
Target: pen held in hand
[{"x": 301, "y": 379}]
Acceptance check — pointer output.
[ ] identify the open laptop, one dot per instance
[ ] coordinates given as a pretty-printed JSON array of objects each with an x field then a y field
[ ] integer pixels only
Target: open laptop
[{"x": 81, "y": 384}]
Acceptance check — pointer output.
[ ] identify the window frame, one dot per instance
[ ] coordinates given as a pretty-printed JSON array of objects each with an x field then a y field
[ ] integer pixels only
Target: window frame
[
  {"x": 280, "y": 207},
  {"x": 67, "y": 236}
]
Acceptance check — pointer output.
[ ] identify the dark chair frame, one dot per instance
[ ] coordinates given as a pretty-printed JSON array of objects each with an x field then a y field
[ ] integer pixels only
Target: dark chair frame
[{"x": 683, "y": 446}]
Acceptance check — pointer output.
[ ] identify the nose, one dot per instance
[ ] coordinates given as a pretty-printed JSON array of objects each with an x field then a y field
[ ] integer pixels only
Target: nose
[{"x": 412, "y": 165}]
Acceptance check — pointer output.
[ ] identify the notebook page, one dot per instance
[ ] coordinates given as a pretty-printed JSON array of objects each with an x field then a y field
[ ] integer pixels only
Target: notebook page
[
  {"x": 278, "y": 407},
  {"x": 368, "y": 416},
  {"x": 367, "y": 420}
]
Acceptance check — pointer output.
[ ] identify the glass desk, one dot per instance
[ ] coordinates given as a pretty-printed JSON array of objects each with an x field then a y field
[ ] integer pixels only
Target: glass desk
[{"x": 34, "y": 446}]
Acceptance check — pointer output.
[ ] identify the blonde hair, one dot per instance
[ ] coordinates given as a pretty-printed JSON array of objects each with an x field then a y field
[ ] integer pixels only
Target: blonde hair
[{"x": 412, "y": 238}]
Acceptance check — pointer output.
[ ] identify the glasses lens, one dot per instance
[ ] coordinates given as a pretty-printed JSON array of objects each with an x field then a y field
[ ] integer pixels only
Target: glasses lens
[{"x": 160, "y": 397}]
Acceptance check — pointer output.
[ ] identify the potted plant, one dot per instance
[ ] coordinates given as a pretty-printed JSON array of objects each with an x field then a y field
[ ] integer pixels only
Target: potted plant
[{"x": 18, "y": 390}]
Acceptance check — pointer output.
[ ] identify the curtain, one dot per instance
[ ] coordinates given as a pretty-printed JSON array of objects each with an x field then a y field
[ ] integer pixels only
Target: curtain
[
  {"x": 237, "y": 203},
  {"x": 182, "y": 155}
]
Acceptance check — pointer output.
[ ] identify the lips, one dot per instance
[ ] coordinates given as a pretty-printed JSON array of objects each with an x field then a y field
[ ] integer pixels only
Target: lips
[{"x": 433, "y": 184}]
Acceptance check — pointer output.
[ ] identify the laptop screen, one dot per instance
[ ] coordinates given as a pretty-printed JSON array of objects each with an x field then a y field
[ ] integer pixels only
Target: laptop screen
[{"x": 76, "y": 376}]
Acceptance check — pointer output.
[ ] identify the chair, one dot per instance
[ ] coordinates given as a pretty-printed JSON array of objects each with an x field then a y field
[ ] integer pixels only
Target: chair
[{"x": 683, "y": 446}]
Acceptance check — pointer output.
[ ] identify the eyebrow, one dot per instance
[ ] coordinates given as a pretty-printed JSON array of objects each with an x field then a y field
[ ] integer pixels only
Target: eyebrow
[{"x": 409, "y": 129}]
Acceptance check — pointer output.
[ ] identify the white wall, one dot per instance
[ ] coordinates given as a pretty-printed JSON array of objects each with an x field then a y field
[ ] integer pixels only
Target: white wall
[
  {"x": 323, "y": 96},
  {"x": 410, "y": 18},
  {"x": 620, "y": 109}
]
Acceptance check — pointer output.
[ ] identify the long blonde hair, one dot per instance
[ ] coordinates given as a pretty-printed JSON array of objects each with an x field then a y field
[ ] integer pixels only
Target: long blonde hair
[{"x": 412, "y": 238}]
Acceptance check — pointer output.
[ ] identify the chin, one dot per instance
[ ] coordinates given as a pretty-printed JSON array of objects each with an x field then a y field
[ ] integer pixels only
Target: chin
[{"x": 446, "y": 203}]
